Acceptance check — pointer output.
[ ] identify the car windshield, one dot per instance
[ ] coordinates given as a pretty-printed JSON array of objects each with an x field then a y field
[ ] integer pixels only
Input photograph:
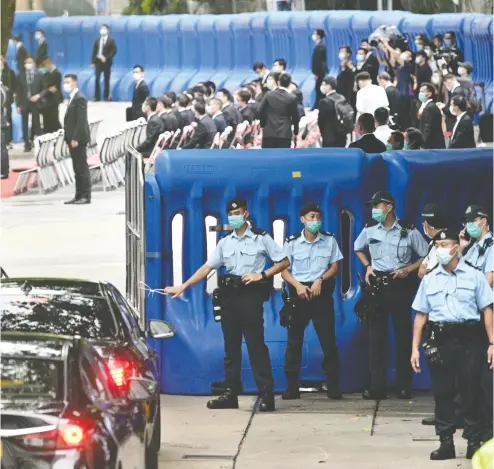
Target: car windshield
[
  {"x": 31, "y": 379},
  {"x": 66, "y": 314}
]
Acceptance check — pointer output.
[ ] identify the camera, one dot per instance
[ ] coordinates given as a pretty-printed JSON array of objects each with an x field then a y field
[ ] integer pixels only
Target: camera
[
  {"x": 391, "y": 33},
  {"x": 217, "y": 308}
]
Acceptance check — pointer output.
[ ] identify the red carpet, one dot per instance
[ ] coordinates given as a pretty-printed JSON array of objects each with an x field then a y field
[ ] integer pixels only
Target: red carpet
[{"x": 7, "y": 185}]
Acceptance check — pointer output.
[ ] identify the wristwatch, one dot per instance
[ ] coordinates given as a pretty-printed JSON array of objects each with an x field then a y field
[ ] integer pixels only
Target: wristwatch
[
  {"x": 367, "y": 266},
  {"x": 321, "y": 278},
  {"x": 264, "y": 276}
]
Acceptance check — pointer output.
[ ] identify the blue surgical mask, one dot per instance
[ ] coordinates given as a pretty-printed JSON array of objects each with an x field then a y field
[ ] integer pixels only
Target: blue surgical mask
[
  {"x": 342, "y": 56},
  {"x": 378, "y": 215},
  {"x": 43, "y": 70},
  {"x": 447, "y": 42},
  {"x": 389, "y": 147},
  {"x": 419, "y": 47},
  {"x": 314, "y": 226},
  {"x": 360, "y": 57},
  {"x": 423, "y": 97},
  {"x": 236, "y": 221},
  {"x": 474, "y": 229}
]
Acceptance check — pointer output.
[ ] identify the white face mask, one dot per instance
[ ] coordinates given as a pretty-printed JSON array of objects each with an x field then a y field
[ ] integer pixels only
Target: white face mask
[
  {"x": 435, "y": 80},
  {"x": 324, "y": 89},
  {"x": 462, "y": 71},
  {"x": 28, "y": 66},
  {"x": 342, "y": 56},
  {"x": 404, "y": 57},
  {"x": 452, "y": 110},
  {"x": 418, "y": 61},
  {"x": 443, "y": 256},
  {"x": 137, "y": 76},
  {"x": 67, "y": 87},
  {"x": 37, "y": 36},
  {"x": 103, "y": 31},
  {"x": 315, "y": 38},
  {"x": 276, "y": 69}
]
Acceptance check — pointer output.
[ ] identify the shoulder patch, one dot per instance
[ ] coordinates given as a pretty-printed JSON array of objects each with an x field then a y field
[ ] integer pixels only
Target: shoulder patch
[
  {"x": 326, "y": 233},
  {"x": 228, "y": 233},
  {"x": 293, "y": 236},
  {"x": 371, "y": 222},
  {"x": 259, "y": 231}
]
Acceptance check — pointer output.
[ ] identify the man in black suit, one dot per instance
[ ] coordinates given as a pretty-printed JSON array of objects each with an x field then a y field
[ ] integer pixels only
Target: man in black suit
[
  {"x": 368, "y": 142},
  {"x": 370, "y": 63},
  {"x": 166, "y": 114},
  {"x": 455, "y": 88},
  {"x": 231, "y": 113},
  {"x": 28, "y": 85},
  {"x": 430, "y": 118},
  {"x": 346, "y": 77},
  {"x": 4, "y": 157},
  {"x": 262, "y": 73},
  {"x": 77, "y": 136},
  {"x": 50, "y": 96},
  {"x": 394, "y": 99},
  {"x": 278, "y": 113},
  {"x": 205, "y": 130},
  {"x": 104, "y": 50},
  {"x": 154, "y": 127},
  {"x": 463, "y": 134},
  {"x": 319, "y": 63},
  {"x": 20, "y": 53},
  {"x": 243, "y": 97},
  {"x": 185, "y": 113},
  {"x": 42, "y": 49},
  {"x": 214, "y": 109},
  {"x": 9, "y": 82},
  {"x": 327, "y": 118},
  {"x": 139, "y": 95}
]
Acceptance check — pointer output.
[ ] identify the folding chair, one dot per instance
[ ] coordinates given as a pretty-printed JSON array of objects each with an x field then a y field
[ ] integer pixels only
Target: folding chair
[{"x": 160, "y": 144}]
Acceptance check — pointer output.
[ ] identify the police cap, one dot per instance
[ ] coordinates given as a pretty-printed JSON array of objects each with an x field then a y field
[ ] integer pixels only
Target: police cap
[
  {"x": 434, "y": 215},
  {"x": 382, "y": 196},
  {"x": 447, "y": 233},
  {"x": 473, "y": 212},
  {"x": 310, "y": 207},
  {"x": 236, "y": 203}
]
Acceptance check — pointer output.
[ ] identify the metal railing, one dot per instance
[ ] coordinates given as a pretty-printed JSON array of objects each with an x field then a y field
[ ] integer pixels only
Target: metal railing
[{"x": 135, "y": 234}]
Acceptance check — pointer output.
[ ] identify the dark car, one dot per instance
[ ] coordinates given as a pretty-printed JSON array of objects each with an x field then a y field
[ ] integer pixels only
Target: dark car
[
  {"x": 61, "y": 409},
  {"x": 96, "y": 311}
]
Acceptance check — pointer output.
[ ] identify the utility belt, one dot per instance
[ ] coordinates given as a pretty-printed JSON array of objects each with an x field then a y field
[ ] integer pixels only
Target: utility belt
[
  {"x": 385, "y": 279},
  {"x": 444, "y": 331},
  {"x": 327, "y": 288},
  {"x": 231, "y": 284}
]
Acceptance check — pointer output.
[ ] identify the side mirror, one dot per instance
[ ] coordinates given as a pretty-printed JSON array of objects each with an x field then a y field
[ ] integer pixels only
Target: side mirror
[
  {"x": 141, "y": 389},
  {"x": 159, "y": 329}
]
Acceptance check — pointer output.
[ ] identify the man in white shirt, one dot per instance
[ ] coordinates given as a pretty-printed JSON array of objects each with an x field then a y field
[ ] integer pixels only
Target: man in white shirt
[
  {"x": 369, "y": 96},
  {"x": 382, "y": 131}
]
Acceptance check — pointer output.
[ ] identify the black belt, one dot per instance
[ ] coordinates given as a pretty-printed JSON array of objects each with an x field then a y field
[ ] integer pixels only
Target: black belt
[
  {"x": 470, "y": 324},
  {"x": 235, "y": 282},
  {"x": 459, "y": 330}
]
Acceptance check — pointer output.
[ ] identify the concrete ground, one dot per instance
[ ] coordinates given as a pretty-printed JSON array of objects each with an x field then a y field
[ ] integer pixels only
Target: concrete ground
[{"x": 42, "y": 237}]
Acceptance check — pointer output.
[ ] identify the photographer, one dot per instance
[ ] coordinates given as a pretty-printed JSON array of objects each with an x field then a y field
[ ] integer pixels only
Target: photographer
[{"x": 450, "y": 52}]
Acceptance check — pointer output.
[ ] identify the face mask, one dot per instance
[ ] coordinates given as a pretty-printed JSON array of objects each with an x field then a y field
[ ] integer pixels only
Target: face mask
[
  {"x": 443, "y": 256},
  {"x": 342, "y": 56},
  {"x": 452, "y": 110},
  {"x": 236, "y": 221},
  {"x": 43, "y": 70},
  {"x": 209, "y": 109},
  {"x": 405, "y": 57},
  {"x": 103, "y": 32},
  {"x": 323, "y": 89},
  {"x": 474, "y": 229},
  {"x": 314, "y": 226},
  {"x": 461, "y": 71},
  {"x": 28, "y": 66},
  {"x": 378, "y": 215},
  {"x": 314, "y": 38},
  {"x": 406, "y": 146},
  {"x": 418, "y": 61},
  {"x": 360, "y": 57},
  {"x": 423, "y": 97},
  {"x": 428, "y": 52},
  {"x": 435, "y": 80},
  {"x": 426, "y": 232},
  {"x": 143, "y": 108},
  {"x": 137, "y": 76},
  {"x": 389, "y": 147},
  {"x": 270, "y": 85},
  {"x": 67, "y": 88},
  {"x": 419, "y": 47},
  {"x": 276, "y": 69},
  {"x": 447, "y": 42},
  {"x": 37, "y": 36}
]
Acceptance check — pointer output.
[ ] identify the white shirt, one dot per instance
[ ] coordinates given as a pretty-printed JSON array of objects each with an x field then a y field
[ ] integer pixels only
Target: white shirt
[
  {"x": 425, "y": 103},
  {"x": 370, "y": 98},
  {"x": 382, "y": 133},
  {"x": 138, "y": 82},
  {"x": 458, "y": 119},
  {"x": 72, "y": 94},
  {"x": 102, "y": 43},
  {"x": 430, "y": 261}
]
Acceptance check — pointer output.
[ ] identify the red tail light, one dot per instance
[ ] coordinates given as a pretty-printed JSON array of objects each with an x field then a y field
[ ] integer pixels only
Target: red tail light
[
  {"x": 121, "y": 370},
  {"x": 66, "y": 436}
]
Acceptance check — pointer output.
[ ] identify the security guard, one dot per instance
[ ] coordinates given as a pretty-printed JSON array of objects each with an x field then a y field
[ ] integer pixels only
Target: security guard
[
  {"x": 243, "y": 291},
  {"x": 391, "y": 243},
  {"x": 313, "y": 256},
  {"x": 449, "y": 301}
]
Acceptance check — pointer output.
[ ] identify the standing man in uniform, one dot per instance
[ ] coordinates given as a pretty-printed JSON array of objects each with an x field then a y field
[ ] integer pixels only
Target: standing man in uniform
[
  {"x": 104, "y": 50},
  {"x": 77, "y": 137},
  {"x": 391, "y": 243},
  {"x": 243, "y": 291},
  {"x": 449, "y": 301},
  {"x": 313, "y": 256}
]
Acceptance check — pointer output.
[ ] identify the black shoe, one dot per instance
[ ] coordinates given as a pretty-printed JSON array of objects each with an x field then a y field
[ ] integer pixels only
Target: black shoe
[
  {"x": 403, "y": 394},
  {"x": 445, "y": 451},
  {"x": 472, "y": 448},
  {"x": 429, "y": 420},
  {"x": 72, "y": 201},
  {"x": 334, "y": 393},
  {"x": 27, "y": 148},
  {"x": 267, "y": 403},
  {"x": 460, "y": 424},
  {"x": 374, "y": 395},
  {"x": 82, "y": 201},
  {"x": 291, "y": 393},
  {"x": 226, "y": 401}
]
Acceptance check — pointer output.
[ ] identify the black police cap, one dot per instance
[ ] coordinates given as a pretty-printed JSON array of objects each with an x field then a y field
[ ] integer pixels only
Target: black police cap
[
  {"x": 382, "y": 196},
  {"x": 448, "y": 233},
  {"x": 434, "y": 215},
  {"x": 310, "y": 207},
  {"x": 236, "y": 203},
  {"x": 473, "y": 212}
]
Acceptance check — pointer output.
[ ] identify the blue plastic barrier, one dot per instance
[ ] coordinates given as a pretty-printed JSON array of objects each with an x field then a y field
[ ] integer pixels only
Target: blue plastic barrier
[{"x": 276, "y": 183}]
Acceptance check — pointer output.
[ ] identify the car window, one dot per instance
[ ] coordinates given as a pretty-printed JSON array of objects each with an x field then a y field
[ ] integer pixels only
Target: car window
[
  {"x": 93, "y": 383},
  {"x": 130, "y": 315}
]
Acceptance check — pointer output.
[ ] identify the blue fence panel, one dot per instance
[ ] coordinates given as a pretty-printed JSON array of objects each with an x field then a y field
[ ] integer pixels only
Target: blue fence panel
[
  {"x": 121, "y": 61},
  {"x": 153, "y": 51},
  {"x": 25, "y": 25},
  {"x": 302, "y": 49},
  {"x": 209, "y": 48},
  {"x": 280, "y": 41},
  {"x": 259, "y": 39},
  {"x": 88, "y": 34},
  {"x": 412, "y": 25}
]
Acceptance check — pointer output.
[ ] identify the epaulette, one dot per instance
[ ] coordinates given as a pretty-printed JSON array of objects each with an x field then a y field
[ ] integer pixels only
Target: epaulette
[
  {"x": 228, "y": 233},
  {"x": 474, "y": 266},
  {"x": 429, "y": 271},
  {"x": 326, "y": 233},
  {"x": 487, "y": 244},
  {"x": 293, "y": 236},
  {"x": 371, "y": 222},
  {"x": 259, "y": 231}
]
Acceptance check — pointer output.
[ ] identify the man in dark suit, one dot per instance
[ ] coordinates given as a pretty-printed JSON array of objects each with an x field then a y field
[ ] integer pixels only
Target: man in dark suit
[
  {"x": 166, "y": 114},
  {"x": 262, "y": 73},
  {"x": 346, "y": 77},
  {"x": 214, "y": 109},
  {"x": 243, "y": 97},
  {"x": 463, "y": 134},
  {"x": 9, "y": 82},
  {"x": 77, "y": 136},
  {"x": 430, "y": 118},
  {"x": 28, "y": 85},
  {"x": 139, "y": 95},
  {"x": 368, "y": 142},
  {"x": 319, "y": 63},
  {"x": 327, "y": 118},
  {"x": 104, "y": 50},
  {"x": 4, "y": 158},
  {"x": 42, "y": 49},
  {"x": 20, "y": 53},
  {"x": 371, "y": 64},
  {"x": 278, "y": 113},
  {"x": 394, "y": 99},
  {"x": 231, "y": 113},
  {"x": 455, "y": 88},
  {"x": 205, "y": 130},
  {"x": 50, "y": 96},
  {"x": 154, "y": 128},
  {"x": 185, "y": 113}
]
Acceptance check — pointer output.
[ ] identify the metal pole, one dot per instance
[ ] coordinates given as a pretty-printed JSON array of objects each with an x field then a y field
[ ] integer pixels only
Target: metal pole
[
  {"x": 380, "y": 5},
  {"x": 390, "y": 5},
  {"x": 234, "y": 7}
]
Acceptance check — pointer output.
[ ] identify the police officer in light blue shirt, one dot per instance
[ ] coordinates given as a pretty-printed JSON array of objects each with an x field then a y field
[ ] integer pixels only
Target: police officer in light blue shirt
[
  {"x": 449, "y": 301},
  {"x": 391, "y": 243},
  {"x": 313, "y": 255},
  {"x": 243, "y": 290}
]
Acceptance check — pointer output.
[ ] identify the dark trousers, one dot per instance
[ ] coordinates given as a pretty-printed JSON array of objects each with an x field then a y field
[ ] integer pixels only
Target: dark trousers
[
  {"x": 51, "y": 122},
  {"x": 462, "y": 365},
  {"x": 319, "y": 95},
  {"x": 81, "y": 171},
  {"x": 4, "y": 158},
  {"x": 100, "y": 68},
  {"x": 339, "y": 142},
  {"x": 8, "y": 115},
  {"x": 243, "y": 316},
  {"x": 284, "y": 5},
  {"x": 396, "y": 300},
  {"x": 275, "y": 142},
  {"x": 30, "y": 109},
  {"x": 321, "y": 311}
]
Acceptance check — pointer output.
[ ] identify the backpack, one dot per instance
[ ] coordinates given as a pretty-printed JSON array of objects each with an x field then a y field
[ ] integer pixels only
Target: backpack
[{"x": 345, "y": 115}]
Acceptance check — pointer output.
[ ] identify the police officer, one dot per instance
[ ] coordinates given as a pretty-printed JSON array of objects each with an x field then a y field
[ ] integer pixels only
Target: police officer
[
  {"x": 450, "y": 299},
  {"x": 313, "y": 256},
  {"x": 433, "y": 221},
  {"x": 391, "y": 243},
  {"x": 243, "y": 291},
  {"x": 481, "y": 256}
]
